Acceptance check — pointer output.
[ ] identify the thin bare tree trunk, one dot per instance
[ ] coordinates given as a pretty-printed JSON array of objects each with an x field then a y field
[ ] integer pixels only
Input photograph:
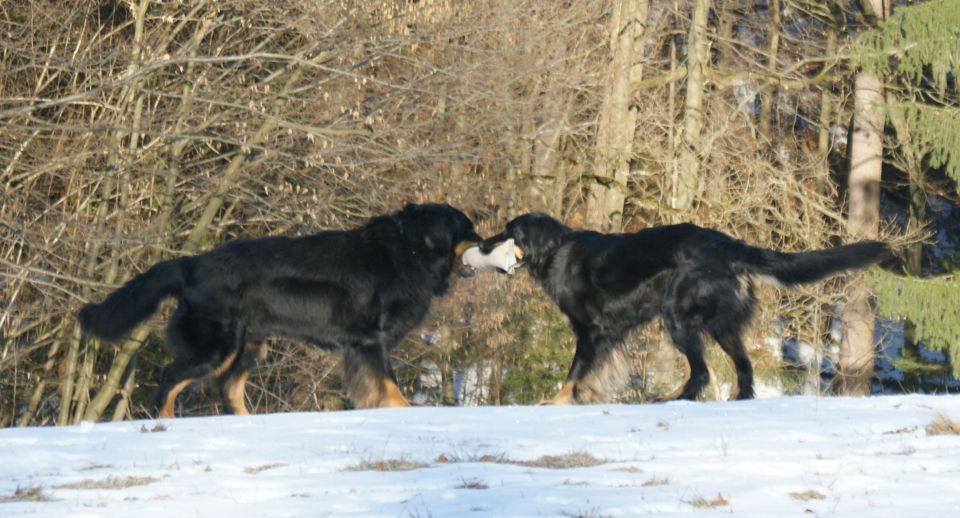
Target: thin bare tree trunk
[
  {"x": 553, "y": 108},
  {"x": 686, "y": 188},
  {"x": 826, "y": 118},
  {"x": 495, "y": 381},
  {"x": 618, "y": 120},
  {"x": 445, "y": 364},
  {"x": 769, "y": 92},
  {"x": 670, "y": 183},
  {"x": 122, "y": 409},
  {"x": 37, "y": 396}
]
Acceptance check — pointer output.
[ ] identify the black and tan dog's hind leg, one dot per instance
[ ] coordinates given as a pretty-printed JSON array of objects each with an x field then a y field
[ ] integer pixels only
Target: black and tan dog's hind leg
[
  {"x": 183, "y": 372},
  {"x": 369, "y": 380},
  {"x": 233, "y": 381},
  {"x": 204, "y": 348}
]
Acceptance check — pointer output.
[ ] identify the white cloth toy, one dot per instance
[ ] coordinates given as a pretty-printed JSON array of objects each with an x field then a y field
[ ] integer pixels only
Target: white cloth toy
[{"x": 504, "y": 257}]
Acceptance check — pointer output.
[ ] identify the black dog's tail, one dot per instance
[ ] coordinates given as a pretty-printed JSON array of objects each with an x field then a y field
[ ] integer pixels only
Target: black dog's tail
[
  {"x": 133, "y": 302},
  {"x": 804, "y": 267}
]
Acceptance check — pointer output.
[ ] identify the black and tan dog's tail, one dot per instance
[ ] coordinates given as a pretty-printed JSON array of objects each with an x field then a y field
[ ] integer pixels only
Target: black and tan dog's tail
[
  {"x": 133, "y": 302},
  {"x": 803, "y": 267}
]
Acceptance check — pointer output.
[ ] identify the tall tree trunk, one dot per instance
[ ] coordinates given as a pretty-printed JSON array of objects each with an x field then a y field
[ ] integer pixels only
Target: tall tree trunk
[
  {"x": 863, "y": 218},
  {"x": 618, "y": 120},
  {"x": 495, "y": 380},
  {"x": 826, "y": 118},
  {"x": 769, "y": 92},
  {"x": 727, "y": 17},
  {"x": 685, "y": 187},
  {"x": 553, "y": 109}
]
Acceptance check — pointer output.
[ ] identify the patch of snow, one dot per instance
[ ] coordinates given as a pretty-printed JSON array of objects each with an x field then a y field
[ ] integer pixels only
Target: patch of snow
[{"x": 777, "y": 456}]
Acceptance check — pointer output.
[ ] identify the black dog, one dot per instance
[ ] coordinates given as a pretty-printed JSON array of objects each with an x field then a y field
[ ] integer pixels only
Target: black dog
[
  {"x": 360, "y": 290},
  {"x": 695, "y": 279}
]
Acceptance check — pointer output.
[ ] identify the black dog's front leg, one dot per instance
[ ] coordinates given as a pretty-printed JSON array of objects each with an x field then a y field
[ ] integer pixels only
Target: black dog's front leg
[{"x": 587, "y": 378}]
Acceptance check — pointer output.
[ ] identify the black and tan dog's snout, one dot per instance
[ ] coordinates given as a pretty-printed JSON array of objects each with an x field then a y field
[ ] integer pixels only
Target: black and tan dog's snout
[{"x": 464, "y": 270}]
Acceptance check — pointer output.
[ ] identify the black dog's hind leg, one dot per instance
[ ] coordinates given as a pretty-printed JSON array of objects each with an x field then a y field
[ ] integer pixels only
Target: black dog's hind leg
[
  {"x": 714, "y": 302},
  {"x": 687, "y": 340},
  {"x": 734, "y": 309},
  {"x": 733, "y": 346},
  {"x": 369, "y": 379},
  {"x": 598, "y": 368}
]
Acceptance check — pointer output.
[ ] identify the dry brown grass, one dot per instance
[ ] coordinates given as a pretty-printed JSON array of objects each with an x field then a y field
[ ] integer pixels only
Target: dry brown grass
[
  {"x": 110, "y": 483},
  {"x": 26, "y": 494},
  {"x": 942, "y": 425},
  {"x": 654, "y": 482},
  {"x": 386, "y": 465},
  {"x": 806, "y": 496},
  {"x": 577, "y": 459},
  {"x": 265, "y": 467},
  {"x": 592, "y": 513},
  {"x": 703, "y": 503},
  {"x": 472, "y": 484}
]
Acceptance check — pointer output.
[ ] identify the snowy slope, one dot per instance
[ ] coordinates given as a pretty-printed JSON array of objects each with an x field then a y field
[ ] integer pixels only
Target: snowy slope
[{"x": 779, "y": 456}]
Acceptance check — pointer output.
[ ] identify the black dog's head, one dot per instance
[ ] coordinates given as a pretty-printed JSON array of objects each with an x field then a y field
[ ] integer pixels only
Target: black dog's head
[
  {"x": 536, "y": 236},
  {"x": 443, "y": 234}
]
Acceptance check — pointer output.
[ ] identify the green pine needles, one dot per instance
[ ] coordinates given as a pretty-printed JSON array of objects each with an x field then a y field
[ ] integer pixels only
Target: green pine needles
[
  {"x": 917, "y": 51},
  {"x": 918, "y": 43},
  {"x": 932, "y": 304}
]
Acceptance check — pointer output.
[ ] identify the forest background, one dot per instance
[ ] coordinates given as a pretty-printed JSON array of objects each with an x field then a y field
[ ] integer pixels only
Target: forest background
[{"x": 134, "y": 131}]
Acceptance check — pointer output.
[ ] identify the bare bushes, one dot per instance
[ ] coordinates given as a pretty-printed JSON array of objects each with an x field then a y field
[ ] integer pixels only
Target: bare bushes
[{"x": 136, "y": 131}]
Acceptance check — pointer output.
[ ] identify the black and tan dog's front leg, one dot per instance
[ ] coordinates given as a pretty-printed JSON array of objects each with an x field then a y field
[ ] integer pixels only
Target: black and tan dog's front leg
[{"x": 369, "y": 380}]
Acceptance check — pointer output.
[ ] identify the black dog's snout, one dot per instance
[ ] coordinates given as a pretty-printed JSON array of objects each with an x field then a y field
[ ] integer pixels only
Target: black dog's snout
[{"x": 488, "y": 244}]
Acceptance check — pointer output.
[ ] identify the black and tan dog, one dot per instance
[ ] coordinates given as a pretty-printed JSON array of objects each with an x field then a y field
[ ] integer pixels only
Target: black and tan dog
[
  {"x": 359, "y": 290},
  {"x": 694, "y": 278}
]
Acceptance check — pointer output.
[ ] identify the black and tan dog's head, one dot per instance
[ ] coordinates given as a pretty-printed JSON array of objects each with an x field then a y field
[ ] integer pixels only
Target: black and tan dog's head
[
  {"x": 444, "y": 233},
  {"x": 536, "y": 237}
]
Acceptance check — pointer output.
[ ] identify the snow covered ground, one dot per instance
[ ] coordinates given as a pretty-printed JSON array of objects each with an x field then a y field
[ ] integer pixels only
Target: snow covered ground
[{"x": 779, "y": 456}]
